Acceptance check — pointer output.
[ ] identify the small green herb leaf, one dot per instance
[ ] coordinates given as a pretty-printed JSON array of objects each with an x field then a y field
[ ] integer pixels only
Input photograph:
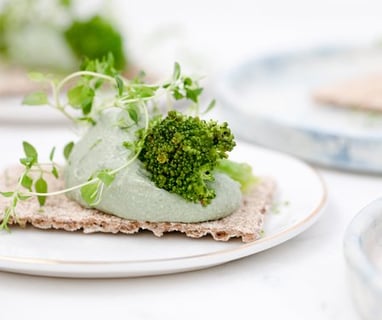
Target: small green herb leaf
[
  {"x": 133, "y": 111},
  {"x": 41, "y": 186},
  {"x": 68, "y": 150},
  {"x": 27, "y": 162},
  {"x": 30, "y": 151},
  {"x": 91, "y": 193},
  {"x": 55, "y": 172},
  {"x": 81, "y": 97},
  {"x": 7, "y": 194},
  {"x": 193, "y": 94},
  {"x": 120, "y": 85},
  {"x": 128, "y": 145},
  {"x": 51, "y": 155},
  {"x": 22, "y": 197},
  {"x": 106, "y": 177},
  {"x": 187, "y": 81},
  {"x": 27, "y": 182},
  {"x": 210, "y": 106},
  {"x": 35, "y": 99},
  {"x": 177, "y": 94},
  {"x": 176, "y": 72}
]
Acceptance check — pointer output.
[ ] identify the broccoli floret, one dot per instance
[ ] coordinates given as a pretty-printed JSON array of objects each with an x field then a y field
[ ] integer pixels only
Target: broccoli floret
[
  {"x": 94, "y": 39},
  {"x": 181, "y": 152},
  {"x": 240, "y": 172}
]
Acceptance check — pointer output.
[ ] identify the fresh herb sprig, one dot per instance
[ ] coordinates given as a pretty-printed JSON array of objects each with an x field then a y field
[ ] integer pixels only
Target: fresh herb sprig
[
  {"x": 87, "y": 96},
  {"x": 32, "y": 179}
]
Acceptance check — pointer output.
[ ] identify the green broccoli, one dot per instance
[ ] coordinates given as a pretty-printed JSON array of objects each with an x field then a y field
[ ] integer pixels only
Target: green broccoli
[
  {"x": 181, "y": 152},
  {"x": 94, "y": 39}
]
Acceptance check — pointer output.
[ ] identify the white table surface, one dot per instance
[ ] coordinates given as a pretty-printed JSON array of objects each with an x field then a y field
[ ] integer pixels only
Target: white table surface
[{"x": 301, "y": 279}]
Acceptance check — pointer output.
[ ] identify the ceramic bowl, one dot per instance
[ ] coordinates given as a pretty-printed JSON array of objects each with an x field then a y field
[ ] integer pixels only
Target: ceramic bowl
[{"x": 363, "y": 254}]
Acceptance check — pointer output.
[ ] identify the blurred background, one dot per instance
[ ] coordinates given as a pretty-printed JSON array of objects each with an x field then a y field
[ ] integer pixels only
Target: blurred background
[
  {"x": 208, "y": 36},
  {"x": 205, "y": 37}
]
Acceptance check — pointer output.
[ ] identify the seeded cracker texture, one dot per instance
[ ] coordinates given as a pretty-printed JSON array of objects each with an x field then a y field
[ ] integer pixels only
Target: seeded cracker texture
[{"x": 61, "y": 213}]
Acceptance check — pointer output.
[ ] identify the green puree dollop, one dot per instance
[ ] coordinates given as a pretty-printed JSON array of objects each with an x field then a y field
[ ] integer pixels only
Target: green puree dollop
[{"x": 132, "y": 195}]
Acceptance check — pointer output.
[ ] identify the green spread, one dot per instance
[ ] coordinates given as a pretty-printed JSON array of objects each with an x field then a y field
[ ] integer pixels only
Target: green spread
[{"x": 132, "y": 195}]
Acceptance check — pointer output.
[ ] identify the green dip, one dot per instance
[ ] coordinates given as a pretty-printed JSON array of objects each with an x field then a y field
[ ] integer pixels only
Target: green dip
[{"x": 132, "y": 195}]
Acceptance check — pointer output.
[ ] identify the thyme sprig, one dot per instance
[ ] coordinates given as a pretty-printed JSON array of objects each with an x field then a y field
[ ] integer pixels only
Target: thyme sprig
[{"x": 81, "y": 97}]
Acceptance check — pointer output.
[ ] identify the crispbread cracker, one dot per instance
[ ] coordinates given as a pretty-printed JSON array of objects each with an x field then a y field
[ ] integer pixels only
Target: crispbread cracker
[
  {"x": 361, "y": 93},
  {"x": 61, "y": 213}
]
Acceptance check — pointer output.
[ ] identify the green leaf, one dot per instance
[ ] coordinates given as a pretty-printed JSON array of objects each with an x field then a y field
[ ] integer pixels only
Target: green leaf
[
  {"x": 41, "y": 186},
  {"x": 176, "y": 72},
  {"x": 22, "y": 198},
  {"x": 76, "y": 95},
  {"x": 193, "y": 94},
  {"x": 55, "y": 172},
  {"x": 7, "y": 194},
  {"x": 177, "y": 95},
  {"x": 51, "y": 155},
  {"x": 28, "y": 162},
  {"x": 27, "y": 182},
  {"x": 210, "y": 106},
  {"x": 187, "y": 82},
  {"x": 35, "y": 99},
  {"x": 91, "y": 193},
  {"x": 68, "y": 150},
  {"x": 37, "y": 76},
  {"x": 106, "y": 177},
  {"x": 30, "y": 151},
  {"x": 7, "y": 215},
  {"x": 128, "y": 145},
  {"x": 133, "y": 111},
  {"x": 87, "y": 107},
  {"x": 120, "y": 85},
  {"x": 81, "y": 97}
]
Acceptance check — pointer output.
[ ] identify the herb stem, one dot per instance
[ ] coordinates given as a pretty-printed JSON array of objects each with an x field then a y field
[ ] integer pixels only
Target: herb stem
[
  {"x": 59, "y": 192},
  {"x": 125, "y": 100},
  {"x": 83, "y": 73}
]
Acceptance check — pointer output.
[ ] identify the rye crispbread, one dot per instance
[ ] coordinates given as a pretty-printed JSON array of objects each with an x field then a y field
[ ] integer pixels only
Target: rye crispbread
[
  {"x": 363, "y": 93},
  {"x": 61, "y": 213}
]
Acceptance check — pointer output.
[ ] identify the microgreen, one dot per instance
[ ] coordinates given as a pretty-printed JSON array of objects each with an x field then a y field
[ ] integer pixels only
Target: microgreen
[
  {"x": 81, "y": 98},
  {"x": 68, "y": 150}
]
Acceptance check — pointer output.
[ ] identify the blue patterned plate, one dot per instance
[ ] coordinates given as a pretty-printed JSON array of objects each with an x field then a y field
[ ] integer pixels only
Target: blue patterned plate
[{"x": 269, "y": 102}]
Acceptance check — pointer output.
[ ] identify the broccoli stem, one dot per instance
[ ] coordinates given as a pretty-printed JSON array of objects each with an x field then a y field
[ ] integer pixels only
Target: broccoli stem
[{"x": 240, "y": 172}]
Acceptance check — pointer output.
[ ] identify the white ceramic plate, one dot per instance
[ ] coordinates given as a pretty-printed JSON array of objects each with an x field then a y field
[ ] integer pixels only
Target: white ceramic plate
[
  {"x": 269, "y": 100},
  {"x": 299, "y": 201}
]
